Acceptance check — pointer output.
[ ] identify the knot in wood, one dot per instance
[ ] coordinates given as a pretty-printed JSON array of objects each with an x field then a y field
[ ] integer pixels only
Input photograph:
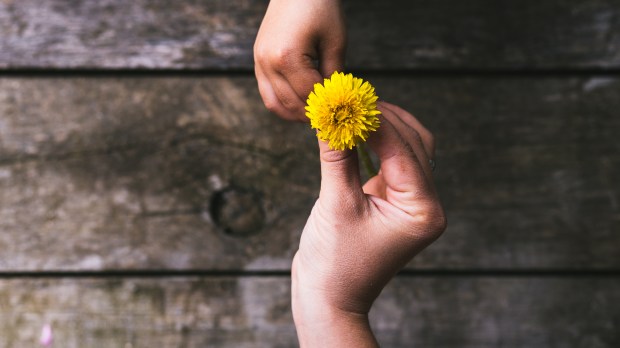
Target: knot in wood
[{"x": 238, "y": 212}]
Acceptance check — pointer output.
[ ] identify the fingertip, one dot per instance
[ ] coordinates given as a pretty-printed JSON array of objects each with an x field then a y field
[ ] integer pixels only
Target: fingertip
[
  {"x": 288, "y": 97},
  {"x": 302, "y": 80},
  {"x": 331, "y": 60},
  {"x": 270, "y": 100},
  {"x": 328, "y": 66},
  {"x": 279, "y": 98}
]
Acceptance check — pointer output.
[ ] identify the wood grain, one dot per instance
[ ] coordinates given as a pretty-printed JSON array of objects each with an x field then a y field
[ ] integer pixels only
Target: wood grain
[
  {"x": 498, "y": 312},
  {"x": 525, "y": 168},
  {"x": 255, "y": 312},
  {"x": 149, "y": 173},
  {"x": 219, "y": 34},
  {"x": 193, "y": 173},
  {"x": 145, "y": 173},
  {"x": 484, "y": 34}
]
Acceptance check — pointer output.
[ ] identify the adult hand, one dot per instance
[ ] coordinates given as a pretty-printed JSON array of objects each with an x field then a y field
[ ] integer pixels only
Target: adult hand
[
  {"x": 357, "y": 238},
  {"x": 293, "y": 37}
]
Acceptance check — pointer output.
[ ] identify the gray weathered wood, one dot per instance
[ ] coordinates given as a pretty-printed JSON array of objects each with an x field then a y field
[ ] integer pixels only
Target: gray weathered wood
[
  {"x": 173, "y": 312},
  {"x": 128, "y": 173},
  {"x": 149, "y": 173},
  {"x": 255, "y": 312},
  {"x": 121, "y": 34},
  {"x": 484, "y": 34},
  {"x": 219, "y": 34},
  {"x": 498, "y": 312},
  {"x": 526, "y": 169}
]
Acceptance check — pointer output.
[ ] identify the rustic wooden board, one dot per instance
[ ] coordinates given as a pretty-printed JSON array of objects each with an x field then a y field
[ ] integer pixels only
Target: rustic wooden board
[
  {"x": 255, "y": 312},
  {"x": 498, "y": 312},
  {"x": 147, "y": 313},
  {"x": 526, "y": 169},
  {"x": 149, "y": 173},
  {"x": 219, "y": 34},
  {"x": 120, "y": 34}
]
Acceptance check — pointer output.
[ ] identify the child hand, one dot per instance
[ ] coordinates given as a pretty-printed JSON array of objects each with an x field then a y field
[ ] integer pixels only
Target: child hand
[{"x": 293, "y": 35}]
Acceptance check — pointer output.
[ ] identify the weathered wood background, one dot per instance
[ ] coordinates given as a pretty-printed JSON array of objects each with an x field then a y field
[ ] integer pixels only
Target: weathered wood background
[{"x": 147, "y": 198}]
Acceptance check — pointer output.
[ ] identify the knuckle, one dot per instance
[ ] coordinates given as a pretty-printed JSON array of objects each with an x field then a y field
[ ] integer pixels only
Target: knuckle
[
  {"x": 278, "y": 58},
  {"x": 281, "y": 58},
  {"x": 289, "y": 102},
  {"x": 271, "y": 104},
  {"x": 441, "y": 222},
  {"x": 436, "y": 220},
  {"x": 432, "y": 221},
  {"x": 261, "y": 53},
  {"x": 417, "y": 138},
  {"x": 333, "y": 156}
]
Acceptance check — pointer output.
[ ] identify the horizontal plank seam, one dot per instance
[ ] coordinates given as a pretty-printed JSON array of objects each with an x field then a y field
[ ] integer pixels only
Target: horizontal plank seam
[
  {"x": 456, "y": 72},
  {"x": 553, "y": 273}
]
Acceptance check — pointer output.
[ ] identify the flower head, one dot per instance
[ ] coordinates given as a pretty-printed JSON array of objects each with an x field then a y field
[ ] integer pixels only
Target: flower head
[{"x": 343, "y": 110}]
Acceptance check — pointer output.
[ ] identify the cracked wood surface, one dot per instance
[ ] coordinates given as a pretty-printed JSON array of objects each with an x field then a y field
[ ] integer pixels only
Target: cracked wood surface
[
  {"x": 193, "y": 173},
  {"x": 255, "y": 312},
  {"x": 219, "y": 34}
]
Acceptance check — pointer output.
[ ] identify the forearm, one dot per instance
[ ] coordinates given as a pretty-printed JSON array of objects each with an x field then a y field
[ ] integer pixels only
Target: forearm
[
  {"x": 326, "y": 327},
  {"x": 319, "y": 324}
]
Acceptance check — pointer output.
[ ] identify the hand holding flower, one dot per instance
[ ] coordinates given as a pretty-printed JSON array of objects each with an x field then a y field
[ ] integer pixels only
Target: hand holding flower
[
  {"x": 293, "y": 37},
  {"x": 358, "y": 237}
]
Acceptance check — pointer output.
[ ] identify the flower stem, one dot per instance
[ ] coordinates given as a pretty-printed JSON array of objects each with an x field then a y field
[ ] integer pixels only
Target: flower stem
[{"x": 362, "y": 153}]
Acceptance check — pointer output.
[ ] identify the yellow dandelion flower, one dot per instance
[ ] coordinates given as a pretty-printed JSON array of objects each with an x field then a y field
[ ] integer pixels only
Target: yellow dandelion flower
[{"x": 343, "y": 110}]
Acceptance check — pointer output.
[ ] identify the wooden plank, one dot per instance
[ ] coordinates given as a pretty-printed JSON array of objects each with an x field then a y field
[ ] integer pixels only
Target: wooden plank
[
  {"x": 484, "y": 34},
  {"x": 173, "y": 312},
  {"x": 498, "y": 312},
  {"x": 255, "y": 312},
  {"x": 136, "y": 34},
  {"x": 219, "y": 34},
  {"x": 149, "y": 173},
  {"x": 526, "y": 169}
]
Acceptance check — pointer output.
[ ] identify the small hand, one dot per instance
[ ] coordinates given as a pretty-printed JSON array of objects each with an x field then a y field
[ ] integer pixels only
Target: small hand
[{"x": 293, "y": 36}]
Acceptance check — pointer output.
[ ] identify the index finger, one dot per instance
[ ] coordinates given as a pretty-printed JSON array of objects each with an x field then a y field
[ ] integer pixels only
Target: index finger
[
  {"x": 412, "y": 135},
  {"x": 427, "y": 137},
  {"x": 405, "y": 179}
]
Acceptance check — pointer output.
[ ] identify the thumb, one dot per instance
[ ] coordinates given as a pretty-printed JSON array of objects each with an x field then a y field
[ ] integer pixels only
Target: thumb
[
  {"x": 340, "y": 178},
  {"x": 332, "y": 44},
  {"x": 331, "y": 58}
]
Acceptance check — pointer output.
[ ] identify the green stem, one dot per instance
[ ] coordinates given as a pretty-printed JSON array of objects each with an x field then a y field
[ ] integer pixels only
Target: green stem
[{"x": 362, "y": 153}]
